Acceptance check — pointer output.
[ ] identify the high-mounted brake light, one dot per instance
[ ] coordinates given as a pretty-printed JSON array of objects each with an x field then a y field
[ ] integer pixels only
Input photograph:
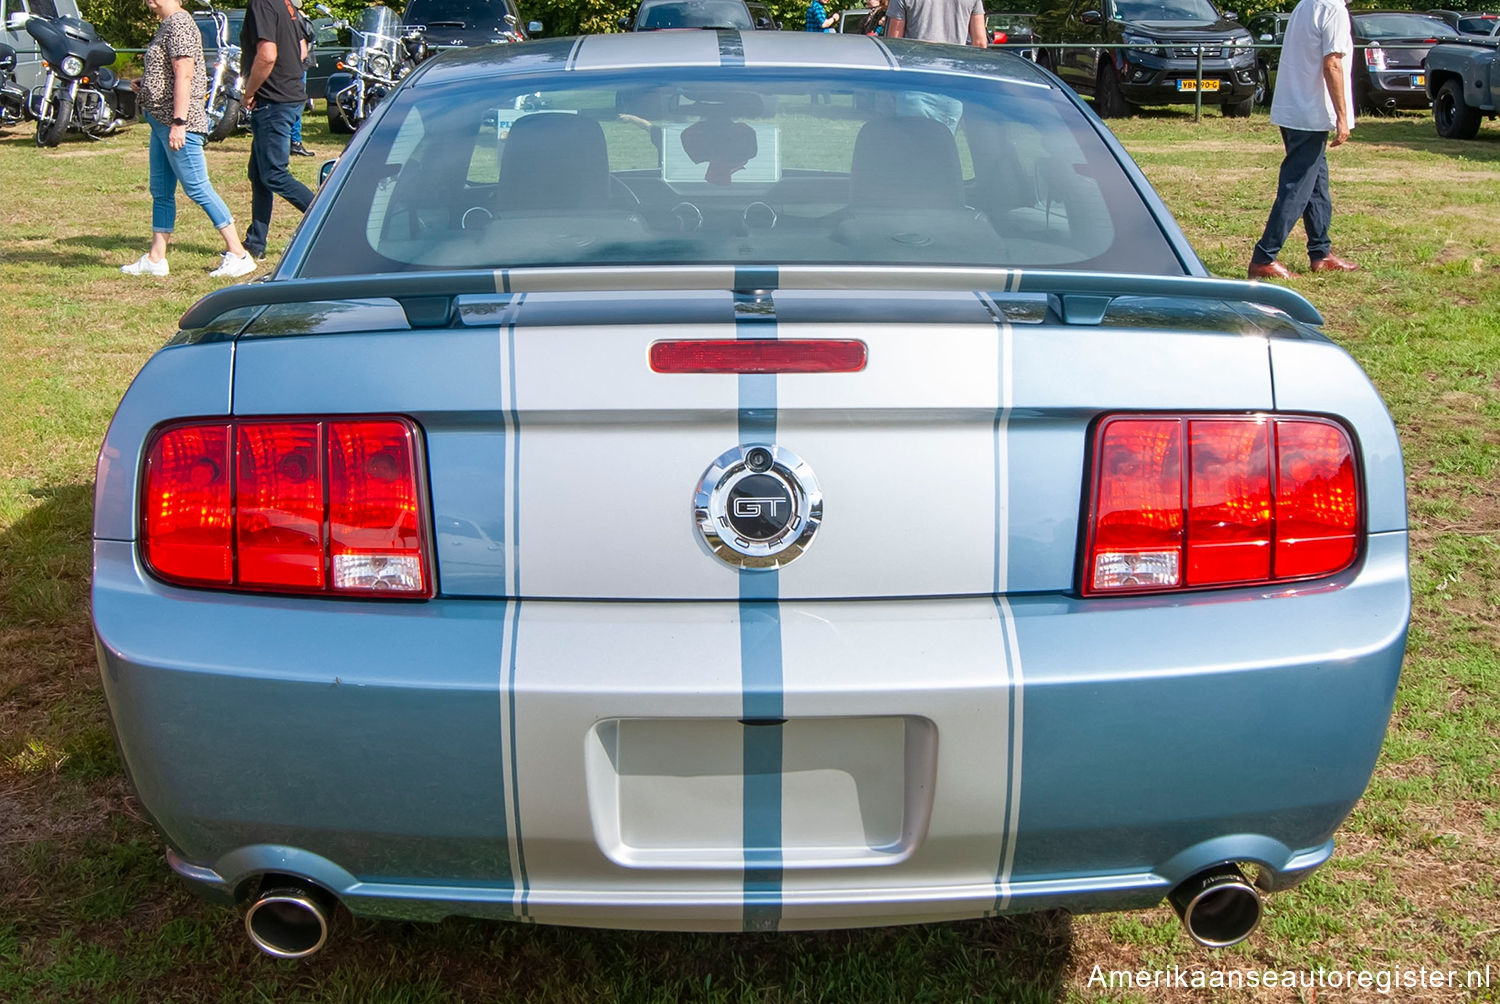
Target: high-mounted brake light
[
  {"x": 1201, "y": 501},
  {"x": 287, "y": 505},
  {"x": 759, "y": 355}
]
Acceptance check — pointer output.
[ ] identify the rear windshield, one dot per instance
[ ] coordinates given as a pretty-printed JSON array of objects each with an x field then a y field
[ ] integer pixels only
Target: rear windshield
[
  {"x": 1402, "y": 26},
  {"x": 655, "y": 168}
]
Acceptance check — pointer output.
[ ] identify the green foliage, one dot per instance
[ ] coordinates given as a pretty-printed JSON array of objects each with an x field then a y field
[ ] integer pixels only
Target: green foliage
[{"x": 125, "y": 24}]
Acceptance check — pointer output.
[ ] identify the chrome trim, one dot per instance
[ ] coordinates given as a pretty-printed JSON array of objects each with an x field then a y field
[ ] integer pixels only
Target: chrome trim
[
  {"x": 290, "y": 922},
  {"x": 710, "y": 506},
  {"x": 1218, "y": 906}
]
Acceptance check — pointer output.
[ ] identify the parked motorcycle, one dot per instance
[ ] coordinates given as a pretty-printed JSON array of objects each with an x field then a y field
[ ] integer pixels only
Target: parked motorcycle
[
  {"x": 79, "y": 91},
  {"x": 384, "y": 52},
  {"x": 12, "y": 94},
  {"x": 226, "y": 85}
]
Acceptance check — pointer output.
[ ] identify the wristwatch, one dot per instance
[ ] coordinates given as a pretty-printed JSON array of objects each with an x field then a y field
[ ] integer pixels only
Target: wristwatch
[{"x": 178, "y": 121}]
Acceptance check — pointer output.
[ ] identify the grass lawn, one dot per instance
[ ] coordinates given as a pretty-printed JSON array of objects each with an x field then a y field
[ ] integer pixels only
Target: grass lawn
[{"x": 89, "y": 910}]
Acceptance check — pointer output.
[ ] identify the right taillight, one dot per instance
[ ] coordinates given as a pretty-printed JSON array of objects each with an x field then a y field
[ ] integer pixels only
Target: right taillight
[
  {"x": 1202, "y": 501},
  {"x": 1375, "y": 56},
  {"x": 330, "y": 506}
]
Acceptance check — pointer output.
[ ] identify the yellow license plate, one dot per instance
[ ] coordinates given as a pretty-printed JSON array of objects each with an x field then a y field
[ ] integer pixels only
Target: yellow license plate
[{"x": 1192, "y": 85}]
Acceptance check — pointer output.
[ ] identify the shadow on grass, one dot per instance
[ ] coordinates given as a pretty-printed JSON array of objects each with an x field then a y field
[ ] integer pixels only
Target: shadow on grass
[
  {"x": 45, "y": 559},
  {"x": 114, "y": 249},
  {"x": 1418, "y": 133}
]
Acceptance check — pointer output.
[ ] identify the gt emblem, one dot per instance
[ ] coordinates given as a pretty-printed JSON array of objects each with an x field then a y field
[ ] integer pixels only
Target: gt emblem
[
  {"x": 752, "y": 507},
  {"x": 758, "y": 506}
]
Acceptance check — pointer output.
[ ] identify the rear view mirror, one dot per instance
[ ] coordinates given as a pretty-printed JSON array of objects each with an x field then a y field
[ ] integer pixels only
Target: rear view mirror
[
  {"x": 533, "y": 27},
  {"x": 324, "y": 170},
  {"x": 1091, "y": 17}
]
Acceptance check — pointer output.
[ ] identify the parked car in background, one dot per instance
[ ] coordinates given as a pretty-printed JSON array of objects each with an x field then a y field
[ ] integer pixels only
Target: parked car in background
[
  {"x": 665, "y": 485},
  {"x": 451, "y": 23},
  {"x": 1268, "y": 30},
  {"x": 1463, "y": 81},
  {"x": 659, "y": 15},
  {"x": 1390, "y": 58},
  {"x": 1159, "y": 64},
  {"x": 852, "y": 21},
  {"x": 1013, "y": 27},
  {"x": 1469, "y": 22}
]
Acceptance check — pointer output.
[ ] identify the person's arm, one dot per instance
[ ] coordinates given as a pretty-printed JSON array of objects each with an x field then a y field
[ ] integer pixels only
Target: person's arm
[
  {"x": 977, "y": 35},
  {"x": 895, "y": 27},
  {"x": 265, "y": 62},
  {"x": 182, "y": 100},
  {"x": 1333, "y": 79}
]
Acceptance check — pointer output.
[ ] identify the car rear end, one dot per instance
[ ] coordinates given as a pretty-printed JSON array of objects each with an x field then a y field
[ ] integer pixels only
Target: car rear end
[
  {"x": 1391, "y": 62},
  {"x": 717, "y": 597}
]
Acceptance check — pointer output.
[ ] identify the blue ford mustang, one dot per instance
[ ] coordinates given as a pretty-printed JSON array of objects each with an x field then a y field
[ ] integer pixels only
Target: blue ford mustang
[{"x": 769, "y": 481}]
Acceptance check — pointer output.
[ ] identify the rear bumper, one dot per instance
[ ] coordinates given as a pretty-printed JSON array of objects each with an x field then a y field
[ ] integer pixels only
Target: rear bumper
[
  {"x": 1397, "y": 88},
  {"x": 587, "y": 763}
]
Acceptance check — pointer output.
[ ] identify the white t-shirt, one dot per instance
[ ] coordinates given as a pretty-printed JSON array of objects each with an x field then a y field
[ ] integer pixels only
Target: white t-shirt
[{"x": 1316, "y": 29}]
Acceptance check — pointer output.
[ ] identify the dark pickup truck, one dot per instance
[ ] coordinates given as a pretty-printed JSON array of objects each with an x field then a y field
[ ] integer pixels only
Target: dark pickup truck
[{"x": 1463, "y": 80}]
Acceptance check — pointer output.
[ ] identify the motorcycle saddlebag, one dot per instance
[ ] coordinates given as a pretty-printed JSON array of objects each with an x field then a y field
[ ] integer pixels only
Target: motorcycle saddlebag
[{"x": 124, "y": 100}]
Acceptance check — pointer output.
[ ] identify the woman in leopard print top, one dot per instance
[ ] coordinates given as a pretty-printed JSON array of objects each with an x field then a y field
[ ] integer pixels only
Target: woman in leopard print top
[{"x": 173, "y": 96}]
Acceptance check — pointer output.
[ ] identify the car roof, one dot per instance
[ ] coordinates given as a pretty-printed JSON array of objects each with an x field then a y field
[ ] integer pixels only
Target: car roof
[{"x": 649, "y": 50}]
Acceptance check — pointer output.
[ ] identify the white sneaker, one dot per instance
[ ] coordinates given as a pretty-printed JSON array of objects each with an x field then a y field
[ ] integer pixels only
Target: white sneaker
[
  {"x": 233, "y": 266},
  {"x": 145, "y": 266}
]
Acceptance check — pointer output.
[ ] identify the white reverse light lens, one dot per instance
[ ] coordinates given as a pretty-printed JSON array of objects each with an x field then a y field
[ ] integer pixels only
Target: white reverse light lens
[
  {"x": 397, "y": 573},
  {"x": 1136, "y": 570}
]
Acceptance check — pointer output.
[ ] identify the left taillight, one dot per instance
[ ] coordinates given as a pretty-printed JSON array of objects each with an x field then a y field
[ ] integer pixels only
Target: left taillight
[
  {"x": 1204, "y": 501},
  {"x": 307, "y": 505}
]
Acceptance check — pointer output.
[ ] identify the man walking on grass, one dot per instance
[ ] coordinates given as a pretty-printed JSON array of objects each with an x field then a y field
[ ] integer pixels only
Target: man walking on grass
[
  {"x": 272, "y": 48},
  {"x": 1314, "y": 97}
]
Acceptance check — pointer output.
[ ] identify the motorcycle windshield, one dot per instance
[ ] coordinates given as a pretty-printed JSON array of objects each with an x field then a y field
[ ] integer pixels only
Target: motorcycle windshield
[{"x": 380, "y": 28}]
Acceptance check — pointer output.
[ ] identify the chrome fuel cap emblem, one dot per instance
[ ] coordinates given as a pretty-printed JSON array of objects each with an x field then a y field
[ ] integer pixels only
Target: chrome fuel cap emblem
[{"x": 758, "y": 506}]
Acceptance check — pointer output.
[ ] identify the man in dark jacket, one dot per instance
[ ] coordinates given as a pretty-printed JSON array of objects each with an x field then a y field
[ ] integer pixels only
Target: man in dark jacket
[{"x": 272, "y": 49}]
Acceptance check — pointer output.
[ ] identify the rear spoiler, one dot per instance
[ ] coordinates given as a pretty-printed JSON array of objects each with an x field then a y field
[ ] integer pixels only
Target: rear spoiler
[{"x": 428, "y": 298}]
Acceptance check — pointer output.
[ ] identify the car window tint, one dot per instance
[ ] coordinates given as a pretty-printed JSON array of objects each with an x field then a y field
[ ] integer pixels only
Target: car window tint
[
  {"x": 784, "y": 170},
  {"x": 1402, "y": 26}
]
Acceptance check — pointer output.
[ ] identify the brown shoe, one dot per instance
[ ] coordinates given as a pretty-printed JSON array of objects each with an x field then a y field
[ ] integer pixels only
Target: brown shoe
[
  {"x": 1270, "y": 270},
  {"x": 1333, "y": 263}
]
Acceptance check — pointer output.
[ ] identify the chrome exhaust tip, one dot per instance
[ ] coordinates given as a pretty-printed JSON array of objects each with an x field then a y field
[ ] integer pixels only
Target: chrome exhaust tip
[
  {"x": 1218, "y": 906},
  {"x": 289, "y": 918}
]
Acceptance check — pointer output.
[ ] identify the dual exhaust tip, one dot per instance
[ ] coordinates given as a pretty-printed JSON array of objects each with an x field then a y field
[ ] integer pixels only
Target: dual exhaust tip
[
  {"x": 1218, "y": 906},
  {"x": 289, "y": 918}
]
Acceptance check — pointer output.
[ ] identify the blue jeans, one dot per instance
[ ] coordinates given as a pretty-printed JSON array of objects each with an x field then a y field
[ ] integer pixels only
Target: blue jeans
[
  {"x": 297, "y": 122},
  {"x": 270, "y": 150},
  {"x": 168, "y": 168},
  {"x": 1301, "y": 192}
]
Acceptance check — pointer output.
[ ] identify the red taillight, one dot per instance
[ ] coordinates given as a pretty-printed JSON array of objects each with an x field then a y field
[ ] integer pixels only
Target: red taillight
[
  {"x": 998, "y": 38},
  {"x": 759, "y": 355},
  {"x": 1375, "y": 57},
  {"x": 307, "y": 505},
  {"x": 1190, "y": 502}
]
